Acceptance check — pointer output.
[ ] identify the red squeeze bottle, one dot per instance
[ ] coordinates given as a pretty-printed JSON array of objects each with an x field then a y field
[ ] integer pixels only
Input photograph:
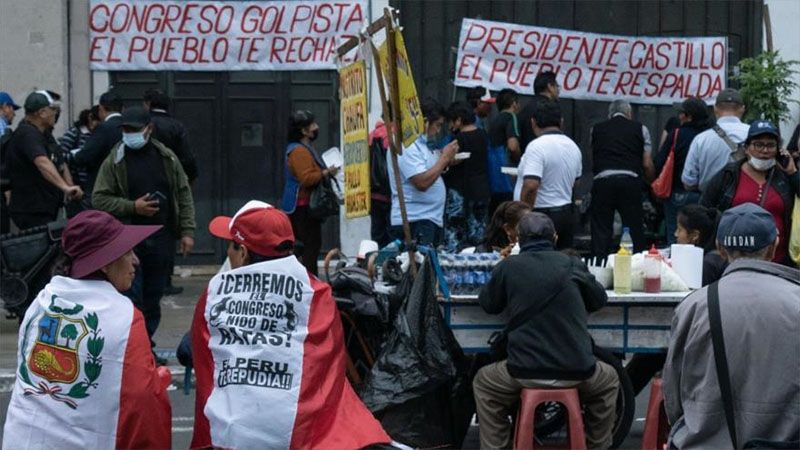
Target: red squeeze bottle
[{"x": 652, "y": 271}]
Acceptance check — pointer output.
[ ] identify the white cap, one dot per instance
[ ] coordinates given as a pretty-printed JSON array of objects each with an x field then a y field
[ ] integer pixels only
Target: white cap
[{"x": 366, "y": 246}]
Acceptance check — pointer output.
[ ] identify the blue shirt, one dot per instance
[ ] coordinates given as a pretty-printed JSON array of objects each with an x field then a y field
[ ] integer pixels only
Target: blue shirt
[
  {"x": 420, "y": 205},
  {"x": 708, "y": 153}
]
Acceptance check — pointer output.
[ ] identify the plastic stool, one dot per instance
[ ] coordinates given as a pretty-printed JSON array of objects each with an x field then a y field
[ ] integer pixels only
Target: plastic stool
[
  {"x": 656, "y": 426},
  {"x": 531, "y": 398}
]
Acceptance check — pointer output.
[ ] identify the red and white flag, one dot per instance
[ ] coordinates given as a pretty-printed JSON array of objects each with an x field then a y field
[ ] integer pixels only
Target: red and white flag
[
  {"x": 86, "y": 377},
  {"x": 268, "y": 351}
]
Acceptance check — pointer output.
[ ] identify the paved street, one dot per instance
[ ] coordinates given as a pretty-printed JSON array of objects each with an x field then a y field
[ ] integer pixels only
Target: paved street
[{"x": 176, "y": 319}]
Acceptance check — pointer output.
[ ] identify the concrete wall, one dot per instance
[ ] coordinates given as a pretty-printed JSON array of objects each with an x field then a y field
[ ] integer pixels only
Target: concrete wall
[
  {"x": 45, "y": 45},
  {"x": 786, "y": 39},
  {"x": 33, "y": 51},
  {"x": 353, "y": 231}
]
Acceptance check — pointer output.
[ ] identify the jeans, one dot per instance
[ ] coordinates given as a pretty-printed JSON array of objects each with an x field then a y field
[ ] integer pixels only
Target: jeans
[
  {"x": 676, "y": 201},
  {"x": 155, "y": 254},
  {"x": 425, "y": 232}
]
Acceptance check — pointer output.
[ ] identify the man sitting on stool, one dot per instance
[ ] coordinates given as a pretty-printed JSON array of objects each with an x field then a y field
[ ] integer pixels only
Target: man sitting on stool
[{"x": 549, "y": 295}]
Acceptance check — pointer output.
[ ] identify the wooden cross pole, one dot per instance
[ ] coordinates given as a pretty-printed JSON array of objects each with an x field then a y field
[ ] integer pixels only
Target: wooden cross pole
[{"x": 395, "y": 140}]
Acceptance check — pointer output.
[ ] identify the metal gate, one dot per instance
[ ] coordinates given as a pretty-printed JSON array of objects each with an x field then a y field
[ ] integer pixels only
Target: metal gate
[{"x": 237, "y": 123}]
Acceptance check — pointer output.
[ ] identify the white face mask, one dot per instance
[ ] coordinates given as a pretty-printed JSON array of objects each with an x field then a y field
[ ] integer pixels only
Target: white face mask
[
  {"x": 762, "y": 165},
  {"x": 134, "y": 141}
]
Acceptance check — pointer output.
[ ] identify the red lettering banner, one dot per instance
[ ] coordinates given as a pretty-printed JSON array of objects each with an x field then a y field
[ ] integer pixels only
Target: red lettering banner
[
  {"x": 591, "y": 66},
  {"x": 220, "y": 35}
]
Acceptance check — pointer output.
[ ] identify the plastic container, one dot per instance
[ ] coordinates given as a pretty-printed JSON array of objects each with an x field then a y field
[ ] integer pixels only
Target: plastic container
[
  {"x": 458, "y": 274},
  {"x": 652, "y": 271},
  {"x": 626, "y": 241},
  {"x": 622, "y": 271}
]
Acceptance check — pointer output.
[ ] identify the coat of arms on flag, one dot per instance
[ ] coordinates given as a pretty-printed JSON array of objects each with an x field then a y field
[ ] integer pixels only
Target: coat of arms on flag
[{"x": 55, "y": 355}]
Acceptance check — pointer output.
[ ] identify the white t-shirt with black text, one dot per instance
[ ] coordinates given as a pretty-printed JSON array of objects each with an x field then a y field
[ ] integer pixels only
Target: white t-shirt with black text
[{"x": 557, "y": 162}]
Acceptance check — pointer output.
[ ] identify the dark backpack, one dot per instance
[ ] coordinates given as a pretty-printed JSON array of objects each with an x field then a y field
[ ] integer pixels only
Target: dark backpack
[{"x": 378, "y": 171}]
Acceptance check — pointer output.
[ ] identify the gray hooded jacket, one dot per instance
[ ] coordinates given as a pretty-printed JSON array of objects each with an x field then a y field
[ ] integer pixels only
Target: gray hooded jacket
[{"x": 760, "y": 309}]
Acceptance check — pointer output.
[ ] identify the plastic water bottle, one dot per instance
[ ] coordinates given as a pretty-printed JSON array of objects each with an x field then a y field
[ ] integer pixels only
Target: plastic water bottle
[
  {"x": 446, "y": 263},
  {"x": 483, "y": 271},
  {"x": 626, "y": 242},
  {"x": 473, "y": 275},
  {"x": 458, "y": 274}
]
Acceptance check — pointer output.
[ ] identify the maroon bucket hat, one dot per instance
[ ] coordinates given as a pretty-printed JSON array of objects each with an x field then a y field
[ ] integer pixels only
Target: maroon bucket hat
[{"x": 94, "y": 239}]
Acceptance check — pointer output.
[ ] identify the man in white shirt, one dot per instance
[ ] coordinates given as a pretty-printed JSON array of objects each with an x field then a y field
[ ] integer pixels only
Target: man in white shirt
[
  {"x": 548, "y": 171},
  {"x": 421, "y": 166},
  {"x": 710, "y": 151}
]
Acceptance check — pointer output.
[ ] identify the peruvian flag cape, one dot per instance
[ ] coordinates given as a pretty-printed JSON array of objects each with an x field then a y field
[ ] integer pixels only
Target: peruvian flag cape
[
  {"x": 268, "y": 351},
  {"x": 86, "y": 377}
]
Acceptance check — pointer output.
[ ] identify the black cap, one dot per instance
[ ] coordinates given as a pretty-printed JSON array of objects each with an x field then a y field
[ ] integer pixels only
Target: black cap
[
  {"x": 747, "y": 227},
  {"x": 135, "y": 117},
  {"x": 41, "y": 99},
  {"x": 730, "y": 95},
  {"x": 535, "y": 225},
  {"x": 694, "y": 107}
]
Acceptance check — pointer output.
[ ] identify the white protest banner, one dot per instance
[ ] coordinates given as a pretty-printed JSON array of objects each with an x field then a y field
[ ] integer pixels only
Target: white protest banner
[
  {"x": 591, "y": 66},
  {"x": 220, "y": 35}
]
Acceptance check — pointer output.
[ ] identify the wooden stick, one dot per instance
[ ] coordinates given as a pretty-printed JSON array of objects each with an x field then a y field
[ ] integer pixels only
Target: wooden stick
[
  {"x": 394, "y": 91},
  {"x": 353, "y": 42}
]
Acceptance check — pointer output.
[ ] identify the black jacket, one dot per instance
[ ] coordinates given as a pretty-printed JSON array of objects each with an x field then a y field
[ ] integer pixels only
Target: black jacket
[
  {"x": 96, "y": 149},
  {"x": 686, "y": 133},
  {"x": 171, "y": 132},
  {"x": 555, "y": 343},
  {"x": 722, "y": 188}
]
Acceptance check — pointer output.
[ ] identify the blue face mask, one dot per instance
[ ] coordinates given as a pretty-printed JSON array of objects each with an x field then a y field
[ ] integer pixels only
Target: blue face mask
[{"x": 134, "y": 141}]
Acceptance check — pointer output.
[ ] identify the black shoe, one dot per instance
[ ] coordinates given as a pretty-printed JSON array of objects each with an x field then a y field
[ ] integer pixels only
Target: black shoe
[
  {"x": 173, "y": 290},
  {"x": 160, "y": 361}
]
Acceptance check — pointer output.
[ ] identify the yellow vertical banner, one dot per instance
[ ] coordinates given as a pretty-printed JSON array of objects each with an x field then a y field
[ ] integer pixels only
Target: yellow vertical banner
[
  {"x": 353, "y": 98},
  {"x": 411, "y": 120}
]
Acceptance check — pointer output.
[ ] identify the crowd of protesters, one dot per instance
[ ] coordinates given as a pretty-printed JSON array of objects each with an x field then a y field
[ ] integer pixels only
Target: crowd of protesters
[
  {"x": 732, "y": 192},
  {"x": 461, "y": 168},
  {"x": 135, "y": 164},
  {"x": 473, "y": 178}
]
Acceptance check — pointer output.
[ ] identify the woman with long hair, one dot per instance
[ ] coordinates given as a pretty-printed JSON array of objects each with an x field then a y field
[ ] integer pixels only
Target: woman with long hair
[{"x": 501, "y": 234}]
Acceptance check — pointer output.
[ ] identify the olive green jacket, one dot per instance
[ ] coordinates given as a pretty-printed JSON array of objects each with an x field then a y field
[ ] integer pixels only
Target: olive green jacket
[{"x": 111, "y": 189}]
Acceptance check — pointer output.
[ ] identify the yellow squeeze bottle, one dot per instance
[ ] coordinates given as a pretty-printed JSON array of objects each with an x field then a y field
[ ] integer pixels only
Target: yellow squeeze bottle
[{"x": 622, "y": 271}]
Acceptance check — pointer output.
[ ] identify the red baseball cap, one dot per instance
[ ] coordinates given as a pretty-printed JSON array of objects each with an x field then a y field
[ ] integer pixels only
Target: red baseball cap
[
  {"x": 93, "y": 239},
  {"x": 259, "y": 226}
]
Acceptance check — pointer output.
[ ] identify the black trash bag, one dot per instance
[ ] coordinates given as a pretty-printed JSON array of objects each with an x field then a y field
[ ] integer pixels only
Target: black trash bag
[
  {"x": 419, "y": 387},
  {"x": 352, "y": 288}
]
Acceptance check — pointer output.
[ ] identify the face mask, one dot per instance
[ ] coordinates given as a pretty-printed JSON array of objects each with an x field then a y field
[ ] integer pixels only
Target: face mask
[
  {"x": 762, "y": 165},
  {"x": 314, "y": 135},
  {"x": 134, "y": 141}
]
